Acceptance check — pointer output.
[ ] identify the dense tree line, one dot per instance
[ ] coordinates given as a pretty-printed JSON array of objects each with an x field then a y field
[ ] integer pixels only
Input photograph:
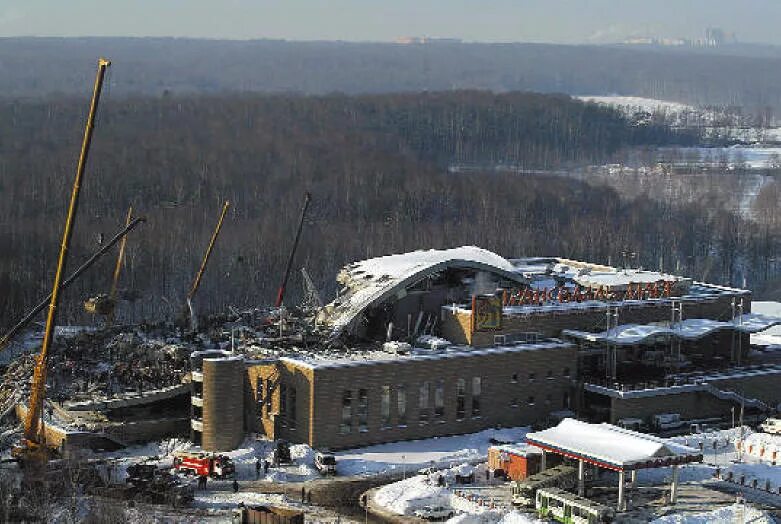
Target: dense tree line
[
  {"x": 725, "y": 76},
  {"x": 377, "y": 167}
]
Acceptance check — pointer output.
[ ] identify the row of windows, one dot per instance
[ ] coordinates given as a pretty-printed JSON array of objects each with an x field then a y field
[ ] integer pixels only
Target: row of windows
[
  {"x": 531, "y": 400},
  {"x": 532, "y": 376},
  {"x": 427, "y": 392}
]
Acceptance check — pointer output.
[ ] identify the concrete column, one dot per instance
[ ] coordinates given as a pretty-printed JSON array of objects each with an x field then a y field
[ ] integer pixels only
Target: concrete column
[
  {"x": 633, "y": 478},
  {"x": 621, "y": 494},
  {"x": 581, "y": 479},
  {"x": 543, "y": 461},
  {"x": 674, "y": 486}
]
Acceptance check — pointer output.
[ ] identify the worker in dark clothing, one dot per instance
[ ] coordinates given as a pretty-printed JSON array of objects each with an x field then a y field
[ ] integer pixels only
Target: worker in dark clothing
[
  {"x": 202, "y": 482},
  {"x": 303, "y": 495},
  {"x": 235, "y": 486},
  {"x": 257, "y": 469},
  {"x": 265, "y": 466}
]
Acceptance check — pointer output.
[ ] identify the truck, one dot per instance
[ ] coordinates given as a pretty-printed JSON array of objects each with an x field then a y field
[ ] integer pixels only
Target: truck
[
  {"x": 666, "y": 421},
  {"x": 148, "y": 483},
  {"x": 771, "y": 425},
  {"x": 325, "y": 463},
  {"x": 204, "y": 465}
]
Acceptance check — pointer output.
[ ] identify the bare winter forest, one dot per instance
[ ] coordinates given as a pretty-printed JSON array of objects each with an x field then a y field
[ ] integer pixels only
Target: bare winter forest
[{"x": 377, "y": 167}]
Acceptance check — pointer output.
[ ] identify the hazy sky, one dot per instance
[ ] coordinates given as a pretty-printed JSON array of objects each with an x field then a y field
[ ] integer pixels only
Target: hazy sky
[{"x": 567, "y": 21}]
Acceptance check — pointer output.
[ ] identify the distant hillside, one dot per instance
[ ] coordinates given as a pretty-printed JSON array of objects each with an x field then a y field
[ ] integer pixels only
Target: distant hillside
[
  {"x": 376, "y": 166},
  {"x": 42, "y": 66}
]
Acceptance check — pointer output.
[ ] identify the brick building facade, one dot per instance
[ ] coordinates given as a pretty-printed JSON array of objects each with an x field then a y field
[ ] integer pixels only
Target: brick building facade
[{"x": 335, "y": 404}]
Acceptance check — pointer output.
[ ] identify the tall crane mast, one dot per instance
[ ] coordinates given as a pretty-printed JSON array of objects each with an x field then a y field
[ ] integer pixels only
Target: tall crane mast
[
  {"x": 118, "y": 269},
  {"x": 34, "y": 442},
  {"x": 288, "y": 267},
  {"x": 202, "y": 269}
]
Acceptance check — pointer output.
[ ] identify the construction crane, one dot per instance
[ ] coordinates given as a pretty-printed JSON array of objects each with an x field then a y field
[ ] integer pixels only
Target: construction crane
[
  {"x": 281, "y": 292},
  {"x": 67, "y": 282},
  {"x": 202, "y": 269},
  {"x": 120, "y": 260},
  {"x": 33, "y": 447},
  {"x": 105, "y": 304}
]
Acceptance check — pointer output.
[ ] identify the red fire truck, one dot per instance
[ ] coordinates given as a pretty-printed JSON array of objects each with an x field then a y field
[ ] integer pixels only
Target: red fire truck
[{"x": 204, "y": 464}]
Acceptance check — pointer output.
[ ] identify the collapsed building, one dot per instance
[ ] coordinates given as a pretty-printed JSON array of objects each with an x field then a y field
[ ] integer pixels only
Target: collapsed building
[{"x": 443, "y": 342}]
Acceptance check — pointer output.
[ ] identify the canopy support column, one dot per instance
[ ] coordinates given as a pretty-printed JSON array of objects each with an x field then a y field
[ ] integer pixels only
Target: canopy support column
[
  {"x": 674, "y": 485},
  {"x": 621, "y": 493},
  {"x": 581, "y": 480},
  {"x": 633, "y": 479},
  {"x": 543, "y": 461}
]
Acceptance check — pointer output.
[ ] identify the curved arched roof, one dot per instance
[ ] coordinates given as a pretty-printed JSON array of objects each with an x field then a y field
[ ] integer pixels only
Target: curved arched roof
[{"x": 372, "y": 281}]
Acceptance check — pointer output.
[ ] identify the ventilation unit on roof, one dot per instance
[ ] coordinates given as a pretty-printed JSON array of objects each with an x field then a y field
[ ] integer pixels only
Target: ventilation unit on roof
[{"x": 500, "y": 340}]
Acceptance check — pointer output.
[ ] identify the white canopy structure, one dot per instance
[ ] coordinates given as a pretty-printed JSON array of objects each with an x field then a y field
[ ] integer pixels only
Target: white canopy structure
[{"x": 614, "y": 448}]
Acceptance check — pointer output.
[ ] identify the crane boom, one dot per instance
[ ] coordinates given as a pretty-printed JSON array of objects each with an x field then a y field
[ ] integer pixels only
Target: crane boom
[
  {"x": 33, "y": 428},
  {"x": 202, "y": 269},
  {"x": 281, "y": 292},
  {"x": 118, "y": 268},
  {"x": 67, "y": 282}
]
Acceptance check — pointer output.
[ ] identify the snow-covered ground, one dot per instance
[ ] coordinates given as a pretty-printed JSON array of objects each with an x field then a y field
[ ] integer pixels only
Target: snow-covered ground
[
  {"x": 638, "y": 103},
  {"x": 743, "y": 513},
  {"x": 416, "y": 454},
  {"x": 770, "y": 338}
]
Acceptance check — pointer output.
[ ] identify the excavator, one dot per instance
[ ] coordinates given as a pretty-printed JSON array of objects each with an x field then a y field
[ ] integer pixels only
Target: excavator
[
  {"x": 33, "y": 451},
  {"x": 105, "y": 304}
]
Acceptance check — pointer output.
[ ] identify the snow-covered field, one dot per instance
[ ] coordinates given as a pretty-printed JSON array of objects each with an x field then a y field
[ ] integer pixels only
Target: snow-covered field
[
  {"x": 770, "y": 338},
  {"x": 743, "y": 513},
  {"x": 638, "y": 103},
  {"x": 416, "y": 454}
]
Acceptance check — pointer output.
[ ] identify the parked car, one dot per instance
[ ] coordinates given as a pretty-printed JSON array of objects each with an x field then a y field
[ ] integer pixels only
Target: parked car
[
  {"x": 325, "y": 463},
  {"x": 434, "y": 512},
  {"x": 771, "y": 425}
]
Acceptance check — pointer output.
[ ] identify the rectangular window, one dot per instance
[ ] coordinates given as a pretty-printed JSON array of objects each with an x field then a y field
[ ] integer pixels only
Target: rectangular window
[
  {"x": 282, "y": 401},
  {"x": 259, "y": 391},
  {"x": 423, "y": 401},
  {"x": 460, "y": 399},
  {"x": 363, "y": 411},
  {"x": 293, "y": 408},
  {"x": 439, "y": 400},
  {"x": 269, "y": 397},
  {"x": 477, "y": 391},
  {"x": 401, "y": 405},
  {"x": 385, "y": 406},
  {"x": 347, "y": 412}
]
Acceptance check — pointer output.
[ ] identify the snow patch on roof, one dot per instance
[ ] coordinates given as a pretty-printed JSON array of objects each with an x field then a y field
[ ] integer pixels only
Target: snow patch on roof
[
  {"x": 609, "y": 444},
  {"x": 370, "y": 281}
]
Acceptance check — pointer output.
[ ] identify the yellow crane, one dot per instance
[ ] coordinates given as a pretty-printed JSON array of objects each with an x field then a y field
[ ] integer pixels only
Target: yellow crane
[
  {"x": 202, "y": 269},
  {"x": 34, "y": 441},
  {"x": 106, "y": 304}
]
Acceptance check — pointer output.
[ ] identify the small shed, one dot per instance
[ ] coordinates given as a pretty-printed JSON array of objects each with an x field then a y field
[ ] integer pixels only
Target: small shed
[
  {"x": 271, "y": 515},
  {"x": 514, "y": 461}
]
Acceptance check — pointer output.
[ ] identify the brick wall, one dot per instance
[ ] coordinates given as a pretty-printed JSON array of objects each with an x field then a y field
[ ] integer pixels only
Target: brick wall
[{"x": 498, "y": 391}]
